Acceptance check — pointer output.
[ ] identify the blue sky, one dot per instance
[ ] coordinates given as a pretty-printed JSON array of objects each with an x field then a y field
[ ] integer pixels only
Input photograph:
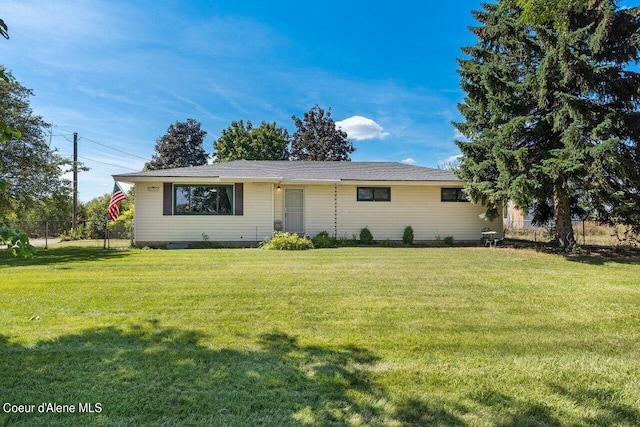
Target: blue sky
[{"x": 120, "y": 72}]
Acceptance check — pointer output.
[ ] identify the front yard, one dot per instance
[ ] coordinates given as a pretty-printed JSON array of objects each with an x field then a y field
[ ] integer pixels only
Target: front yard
[{"x": 349, "y": 336}]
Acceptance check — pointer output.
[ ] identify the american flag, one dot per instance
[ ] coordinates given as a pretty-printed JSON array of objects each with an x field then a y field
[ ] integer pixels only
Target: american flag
[{"x": 116, "y": 198}]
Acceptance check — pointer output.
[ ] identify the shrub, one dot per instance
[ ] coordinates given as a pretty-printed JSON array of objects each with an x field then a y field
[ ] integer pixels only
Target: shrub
[
  {"x": 344, "y": 241},
  {"x": 448, "y": 240},
  {"x": 407, "y": 237},
  {"x": 366, "y": 238},
  {"x": 287, "y": 242},
  {"x": 77, "y": 233},
  {"x": 323, "y": 240},
  {"x": 387, "y": 243}
]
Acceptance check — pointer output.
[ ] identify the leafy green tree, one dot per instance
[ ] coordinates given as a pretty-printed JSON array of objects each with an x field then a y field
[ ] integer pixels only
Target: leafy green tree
[
  {"x": 27, "y": 162},
  {"x": 240, "y": 141},
  {"x": 317, "y": 138},
  {"x": 551, "y": 116},
  {"x": 181, "y": 146},
  {"x": 96, "y": 214},
  {"x": 14, "y": 238}
]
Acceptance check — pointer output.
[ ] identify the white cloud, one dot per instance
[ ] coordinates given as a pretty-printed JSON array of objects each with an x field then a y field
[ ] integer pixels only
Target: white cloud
[
  {"x": 361, "y": 128},
  {"x": 453, "y": 159},
  {"x": 408, "y": 161}
]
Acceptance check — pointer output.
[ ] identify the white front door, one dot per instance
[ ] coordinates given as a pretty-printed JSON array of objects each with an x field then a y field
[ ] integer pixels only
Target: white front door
[{"x": 294, "y": 210}]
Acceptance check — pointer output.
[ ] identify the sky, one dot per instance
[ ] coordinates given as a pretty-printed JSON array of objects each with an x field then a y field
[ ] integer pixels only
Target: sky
[{"x": 120, "y": 72}]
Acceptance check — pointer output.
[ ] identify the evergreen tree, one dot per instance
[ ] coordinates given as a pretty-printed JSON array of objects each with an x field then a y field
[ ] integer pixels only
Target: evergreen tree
[
  {"x": 551, "y": 116},
  {"x": 317, "y": 138},
  {"x": 240, "y": 141},
  {"x": 181, "y": 146},
  {"x": 549, "y": 11}
]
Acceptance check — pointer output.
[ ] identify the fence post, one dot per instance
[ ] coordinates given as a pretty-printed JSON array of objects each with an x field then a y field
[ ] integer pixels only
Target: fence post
[{"x": 46, "y": 234}]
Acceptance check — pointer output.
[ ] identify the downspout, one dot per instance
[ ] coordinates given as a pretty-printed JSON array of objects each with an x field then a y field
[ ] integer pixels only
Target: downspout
[{"x": 335, "y": 211}]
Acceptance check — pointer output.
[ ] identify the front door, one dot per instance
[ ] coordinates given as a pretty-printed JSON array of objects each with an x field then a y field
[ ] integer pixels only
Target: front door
[{"x": 294, "y": 210}]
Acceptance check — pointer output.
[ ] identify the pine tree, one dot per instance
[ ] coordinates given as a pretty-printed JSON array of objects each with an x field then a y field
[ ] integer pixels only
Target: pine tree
[
  {"x": 551, "y": 115},
  {"x": 317, "y": 138},
  {"x": 181, "y": 146}
]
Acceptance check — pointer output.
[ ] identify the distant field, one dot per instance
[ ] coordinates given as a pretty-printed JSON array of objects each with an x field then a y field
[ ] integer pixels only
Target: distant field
[{"x": 349, "y": 336}]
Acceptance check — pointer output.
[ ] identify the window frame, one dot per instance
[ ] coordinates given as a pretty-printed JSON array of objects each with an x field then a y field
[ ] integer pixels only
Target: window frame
[
  {"x": 373, "y": 194},
  {"x": 460, "y": 196},
  {"x": 229, "y": 189}
]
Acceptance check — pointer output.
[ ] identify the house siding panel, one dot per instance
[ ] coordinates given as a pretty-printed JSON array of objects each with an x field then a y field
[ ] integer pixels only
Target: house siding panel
[
  {"x": 417, "y": 206},
  {"x": 254, "y": 225}
]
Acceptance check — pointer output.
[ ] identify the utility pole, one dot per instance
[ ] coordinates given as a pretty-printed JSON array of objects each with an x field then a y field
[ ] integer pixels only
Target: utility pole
[{"x": 75, "y": 180}]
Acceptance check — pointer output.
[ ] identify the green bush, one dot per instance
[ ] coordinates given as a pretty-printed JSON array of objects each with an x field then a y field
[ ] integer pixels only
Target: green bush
[
  {"x": 77, "y": 233},
  {"x": 323, "y": 240},
  {"x": 448, "y": 240},
  {"x": 388, "y": 243},
  {"x": 366, "y": 238},
  {"x": 287, "y": 242},
  {"x": 407, "y": 237},
  {"x": 344, "y": 241}
]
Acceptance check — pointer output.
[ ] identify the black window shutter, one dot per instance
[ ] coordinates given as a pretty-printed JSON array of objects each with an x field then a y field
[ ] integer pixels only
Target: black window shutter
[
  {"x": 239, "y": 195},
  {"x": 167, "y": 199}
]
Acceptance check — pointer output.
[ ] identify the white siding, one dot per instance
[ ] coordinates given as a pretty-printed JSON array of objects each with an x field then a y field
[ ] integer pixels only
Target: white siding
[
  {"x": 417, "y": 206},
  {"x": 153, "y": 226},
  {"x": 319, "y": 209}
]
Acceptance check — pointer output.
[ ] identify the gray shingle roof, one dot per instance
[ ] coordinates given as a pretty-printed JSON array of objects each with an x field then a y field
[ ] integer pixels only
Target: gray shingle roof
[{"x": 302, "y": 171}]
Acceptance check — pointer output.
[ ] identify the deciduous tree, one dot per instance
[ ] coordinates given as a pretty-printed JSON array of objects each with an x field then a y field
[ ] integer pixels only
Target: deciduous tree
[
  {"x": 27, "y": 162},
  {"x": 181, "y": 146},
  {"x": 317, "y": 138},
  {"x": 240, "y": 141}
]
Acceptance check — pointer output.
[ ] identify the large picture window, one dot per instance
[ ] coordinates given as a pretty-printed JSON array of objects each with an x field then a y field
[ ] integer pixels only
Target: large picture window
[
  {"x": 453, "y": 195},
  {"x": 374, "y": 194},
  {"x": 203, "y": 199}
]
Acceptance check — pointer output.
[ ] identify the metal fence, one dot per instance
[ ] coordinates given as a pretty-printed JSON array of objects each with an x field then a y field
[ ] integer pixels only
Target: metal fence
[
  {"x": 585, "y": 233},
  {"x": 44, "y": 233}
]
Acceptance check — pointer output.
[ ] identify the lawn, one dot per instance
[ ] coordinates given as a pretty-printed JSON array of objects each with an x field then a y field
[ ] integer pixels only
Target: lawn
[{"x": 349, "y": 336}]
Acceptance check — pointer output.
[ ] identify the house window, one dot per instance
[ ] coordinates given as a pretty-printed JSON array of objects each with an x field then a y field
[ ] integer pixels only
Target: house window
[
  {"x": 203, "y": 199},
  {"x": 453, "y": 195},
  {"x": 374, "y": 194}
]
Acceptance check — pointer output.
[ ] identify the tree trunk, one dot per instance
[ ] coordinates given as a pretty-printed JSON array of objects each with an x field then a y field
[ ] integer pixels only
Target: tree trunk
[{"x": 562, "y": 215}]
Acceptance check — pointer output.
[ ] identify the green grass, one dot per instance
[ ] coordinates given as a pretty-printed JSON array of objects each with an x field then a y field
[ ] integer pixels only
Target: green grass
[{"x": 349, "y": 336}]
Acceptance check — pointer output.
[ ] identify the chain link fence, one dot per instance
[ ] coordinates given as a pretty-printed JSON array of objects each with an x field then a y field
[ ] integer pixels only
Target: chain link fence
[
  {"x": 585, "y": 233},
  {"x": 98, "y": 233}
]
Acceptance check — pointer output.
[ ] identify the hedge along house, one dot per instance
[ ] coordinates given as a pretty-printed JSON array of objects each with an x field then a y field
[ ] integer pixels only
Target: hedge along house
[{"x": 242, "y": 202}]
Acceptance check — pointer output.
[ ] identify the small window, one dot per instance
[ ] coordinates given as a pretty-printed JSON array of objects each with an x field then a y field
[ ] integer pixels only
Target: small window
[
  {"x": 203, "y": 199},
  {"x": 453, "y": 195},
  {"x": 374, "y": 194}
]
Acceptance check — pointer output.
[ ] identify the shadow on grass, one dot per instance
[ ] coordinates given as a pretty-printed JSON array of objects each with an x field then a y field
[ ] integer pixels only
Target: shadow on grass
[
  {"x": 512, "y": 411},
  {"x": 62, "y": 255},
  {"x": 147, "y": 375},
  {"x": 610, "y": 411},
  {"x": 604, "y": 257},
  {"x": 600, "y": 407}
]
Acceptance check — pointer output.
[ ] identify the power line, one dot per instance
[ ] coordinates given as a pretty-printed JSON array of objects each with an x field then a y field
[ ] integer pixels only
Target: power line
[
  {"x": 109, "y": 164},
  {"x": 105, "y": 146},
  {"x": 114, "y": 149}
]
